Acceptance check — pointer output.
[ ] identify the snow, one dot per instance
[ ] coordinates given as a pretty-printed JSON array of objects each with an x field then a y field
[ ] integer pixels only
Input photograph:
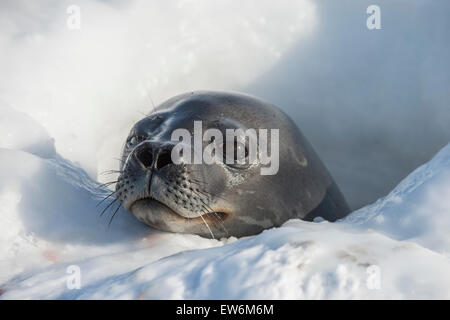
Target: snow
[
  {"x": 418, "y": 209},
  {"x": 68, "y": 99},
  {"x": 88, "y": 86},
  {"x": 398, "y": 247}
]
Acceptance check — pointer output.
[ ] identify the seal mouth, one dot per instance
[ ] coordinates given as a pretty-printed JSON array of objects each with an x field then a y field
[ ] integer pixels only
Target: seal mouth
[{"x": 156, "y": 207}]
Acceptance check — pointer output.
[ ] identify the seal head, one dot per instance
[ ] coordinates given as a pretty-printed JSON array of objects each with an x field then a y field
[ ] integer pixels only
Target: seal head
[{"x": 219, "y": 199}]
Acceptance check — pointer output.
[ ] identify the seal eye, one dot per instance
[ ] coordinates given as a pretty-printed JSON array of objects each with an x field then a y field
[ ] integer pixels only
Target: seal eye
[
  {"x": 240, "y": 151},
  {"x": 235, "y": 156},
  {"x": 134, "y": 141}
]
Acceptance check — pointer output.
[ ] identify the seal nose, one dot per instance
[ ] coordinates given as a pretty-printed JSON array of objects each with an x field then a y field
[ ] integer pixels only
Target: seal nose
[
  {"x": 164, "y": 158},
  {"x": 153, "y": 155},
  {"x": 145, "y": 155}
]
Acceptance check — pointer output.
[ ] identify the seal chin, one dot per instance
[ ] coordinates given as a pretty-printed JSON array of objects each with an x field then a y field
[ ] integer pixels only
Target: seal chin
[
  {"x": 160, "y": 216},
  {"x": 149, "y": 209}
]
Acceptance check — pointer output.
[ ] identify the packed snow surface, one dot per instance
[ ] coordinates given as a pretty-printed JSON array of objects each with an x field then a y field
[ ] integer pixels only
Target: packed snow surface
[{"x": 51, "y": 230}]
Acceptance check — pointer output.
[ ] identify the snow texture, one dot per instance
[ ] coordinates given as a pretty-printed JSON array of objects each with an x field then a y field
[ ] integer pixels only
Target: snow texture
[
  {"x": 398, "y": 247},
  {"x": 373, "y": 103}
]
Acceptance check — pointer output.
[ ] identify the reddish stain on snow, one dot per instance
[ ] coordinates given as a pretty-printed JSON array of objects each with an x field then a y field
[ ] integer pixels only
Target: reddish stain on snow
[
  {"x": 141, "y": 296},
  {"x": 51, "y": 256},
  {"x": 152, "y": 239}
]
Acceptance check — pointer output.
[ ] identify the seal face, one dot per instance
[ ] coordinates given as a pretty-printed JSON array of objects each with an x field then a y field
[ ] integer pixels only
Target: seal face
[{"x": 220, "y": 200}]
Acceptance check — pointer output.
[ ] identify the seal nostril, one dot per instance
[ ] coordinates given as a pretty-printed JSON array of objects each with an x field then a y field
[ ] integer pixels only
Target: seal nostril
[
  {"x": 164, "y": 158},
  {"x": 145, "y": 157}
]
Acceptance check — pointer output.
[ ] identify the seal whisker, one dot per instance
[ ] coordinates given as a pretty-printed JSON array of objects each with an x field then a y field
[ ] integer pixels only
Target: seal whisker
[
  {"x": 106, "y": 184},
  {"x": 105, "y": 198},
  {"x": 109, "y": 205},
  {"x": 208, "y": 209},
  {"x": 151, "y": 101},
  {"x": 113, "y": 215},
  {"x": 215, "y": 215},
  {"x": 212, "y": 234},
  {"x": 110, "y": 172}
]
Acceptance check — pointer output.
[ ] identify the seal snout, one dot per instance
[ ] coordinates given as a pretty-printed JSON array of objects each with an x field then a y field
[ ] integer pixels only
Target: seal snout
[
  {"x": 152, "y": 155},
  {"x": 162, "y": 193}
]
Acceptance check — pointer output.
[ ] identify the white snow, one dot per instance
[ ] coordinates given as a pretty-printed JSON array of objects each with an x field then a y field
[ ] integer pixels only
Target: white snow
[
  {"x": 397, "y": 247},
  {"x": 417, "y": 210},
  {"x": 68, "y": 99},
  {"x": 88, "y": 86}
]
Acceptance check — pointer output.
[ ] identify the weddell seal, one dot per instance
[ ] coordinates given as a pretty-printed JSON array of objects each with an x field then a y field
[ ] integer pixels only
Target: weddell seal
[{"x": 188, "y": 194}]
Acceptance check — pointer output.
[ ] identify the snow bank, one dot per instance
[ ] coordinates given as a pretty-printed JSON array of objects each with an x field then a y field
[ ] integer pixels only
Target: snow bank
[
  {"x": 395, "y": 248},
  {"x": 48, "y": 207},
  {"x": 417, "y": 210},
  {"x": 298, "y": 261},
  {"x": 88, "y": 86},
  {"x": 20, "y": 131}
]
